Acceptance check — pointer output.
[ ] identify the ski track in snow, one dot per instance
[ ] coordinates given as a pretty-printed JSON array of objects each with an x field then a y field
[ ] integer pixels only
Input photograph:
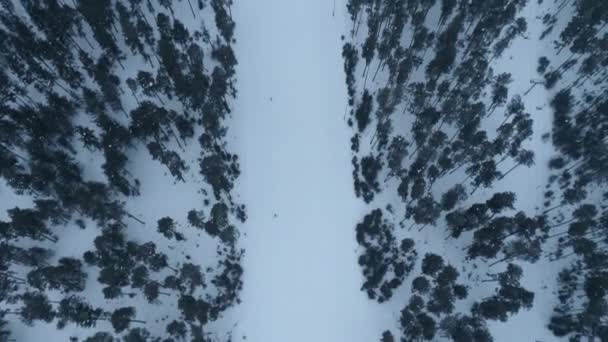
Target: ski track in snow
[{"x": 302, "y": 281}]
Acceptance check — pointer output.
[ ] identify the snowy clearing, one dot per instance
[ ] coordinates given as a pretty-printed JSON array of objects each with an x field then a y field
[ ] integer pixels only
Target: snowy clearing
[{"x": 301, "y": 274}]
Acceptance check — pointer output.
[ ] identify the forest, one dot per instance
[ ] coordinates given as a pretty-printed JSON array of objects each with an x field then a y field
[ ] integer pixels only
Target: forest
[
  {"x": 443, "y": 128},
  {"x": 477, "y": 159},
  {"x": 88, "y": 87}
]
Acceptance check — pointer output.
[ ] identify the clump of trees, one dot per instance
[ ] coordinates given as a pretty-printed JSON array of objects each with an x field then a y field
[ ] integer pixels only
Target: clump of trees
[
  {"x": 427, "y": 107},
  {"x": 68, "y": 96},
  {"x": 384, "y": 260}
]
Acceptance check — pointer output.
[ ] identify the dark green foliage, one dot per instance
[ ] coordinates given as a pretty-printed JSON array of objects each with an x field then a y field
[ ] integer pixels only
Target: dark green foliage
[
  {"x": 351, "y": 57},
  {"x": 223, "y": 20},
  {"x": 36, "y": 307},
  {"x": 220, "y": 171},
  {"x": 63, "y": 103},
  {"x": 510, "y": 298},
  {"x": 122, "y": 318},
  {"x": 369, "y": 185},
  {"x": 452, "y": 197},
  {"x": 191, "y": 277},
  {"x": 431, "y": 264},
  {"x": 363, "y": 111},
  {"x": 446, "y": 49},
  {"x": 137, "y": 335},
  {"x": 387, "y": 336},
  {"x": 383, "y": 256},
  {"x": 417, "y": 326},
  {"x": 194, "y": 309},
  {"x": 100, "y": 337},
  {"x": 421, "y": 284},
  {"x": 228, "y": 283},
  {"x": 67, "y": 276},
  {"x": 166, "y": 226},
  {"x": 177, "y": 329},
  {"x": 463, "y": 328},
  {"x": 76, "y": 310}
]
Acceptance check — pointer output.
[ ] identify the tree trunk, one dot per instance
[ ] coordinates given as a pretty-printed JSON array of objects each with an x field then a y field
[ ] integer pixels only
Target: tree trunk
[
  {"x": 499, "y": 261},
  {"x": 14, "y": 153},
  {"x": 355, "y": 20},
  {"x": 371, "y": 142},
  {"x": 122, "y": 109},
  {"x": 11, "y": 312},
  {"x": 17, "y": 97},
  {"x": 457, "y": 168},
  {"x": 411, "y": 226},
  {"x": 73, "y": 41},
  {"x": 136, "y": 98},
  {"x": 557, "y": 234},
  {"x": 511, "y": 169},
  {"x": 562, "y": 223},
  {"x": 49, "y": 238},
  {"x": 491, "y": 109},
  {"x": 560, "y": 8},
  {"x": 135, "y": 218},
  {"x": 358, "y": 25},
  {"x": 455, "y": 135},
  {"x": 553, "y": 208},
  {"x": 575, "y": 165},
  {"x": 8, "y": 275},
  {"x": 413, "y": 153},
  {"x": 530, "y": 89},
  {"x": 563, "y": 256},
  {"x": 120, "y": 63},
  {"x": 503, "y": 122},
  {"x": 576, "y": 82},
  {"x": 476, "y": 187},
  {"x": 464, "y": 180},
  {"x": 114, "y": 25},
  {"x": 377, "y": 69},
  {"x": 159, "y": 99},
  {"x": 143, "y": 16},
  {"x": 191, "y": 9},
  {"x": 366, "y": 71},
  {"x": 176, "y": 139}
]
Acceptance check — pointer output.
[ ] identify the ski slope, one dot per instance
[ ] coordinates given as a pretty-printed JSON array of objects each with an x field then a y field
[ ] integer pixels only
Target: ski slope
[{"x": 301, "y": 278}]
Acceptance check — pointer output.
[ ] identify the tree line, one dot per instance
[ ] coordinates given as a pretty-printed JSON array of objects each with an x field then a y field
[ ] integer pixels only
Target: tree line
[
  {"x": 433, "y": 123},
  {"x": 106, "y": 78}
]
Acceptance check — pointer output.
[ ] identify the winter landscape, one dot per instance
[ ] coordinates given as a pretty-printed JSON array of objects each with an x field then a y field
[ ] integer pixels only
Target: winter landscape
[{"x": 319, "y": 170}]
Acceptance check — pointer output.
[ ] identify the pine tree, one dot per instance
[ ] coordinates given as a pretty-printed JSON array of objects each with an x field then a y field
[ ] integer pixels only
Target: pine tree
[{"x": 122, "y": 318}]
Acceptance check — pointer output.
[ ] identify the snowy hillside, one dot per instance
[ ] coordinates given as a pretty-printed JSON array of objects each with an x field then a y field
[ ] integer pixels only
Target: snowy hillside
[
  {"x": 117, "y": 216},
  {"x": 271, "y": 170},
  {"x": 452, "y": 107}
]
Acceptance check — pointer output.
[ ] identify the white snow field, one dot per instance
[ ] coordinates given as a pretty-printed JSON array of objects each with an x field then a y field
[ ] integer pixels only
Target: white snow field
[{"x": 302, "y": 281}]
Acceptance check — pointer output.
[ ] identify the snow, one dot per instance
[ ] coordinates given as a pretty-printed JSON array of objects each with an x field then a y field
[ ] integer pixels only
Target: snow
[
  {"x": 160, "y": 196},
  {"x": 302, "y": 281},
  {"x": 528, "y": 183}
]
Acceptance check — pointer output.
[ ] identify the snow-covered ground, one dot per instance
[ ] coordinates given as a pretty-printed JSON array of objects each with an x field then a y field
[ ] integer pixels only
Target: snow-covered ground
[
  {"x": 521, "y": 60},
  {"x": 302, "y": 281},
  {"x": 160, "y": 196},
  {"x": 301, "y": 278}
]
